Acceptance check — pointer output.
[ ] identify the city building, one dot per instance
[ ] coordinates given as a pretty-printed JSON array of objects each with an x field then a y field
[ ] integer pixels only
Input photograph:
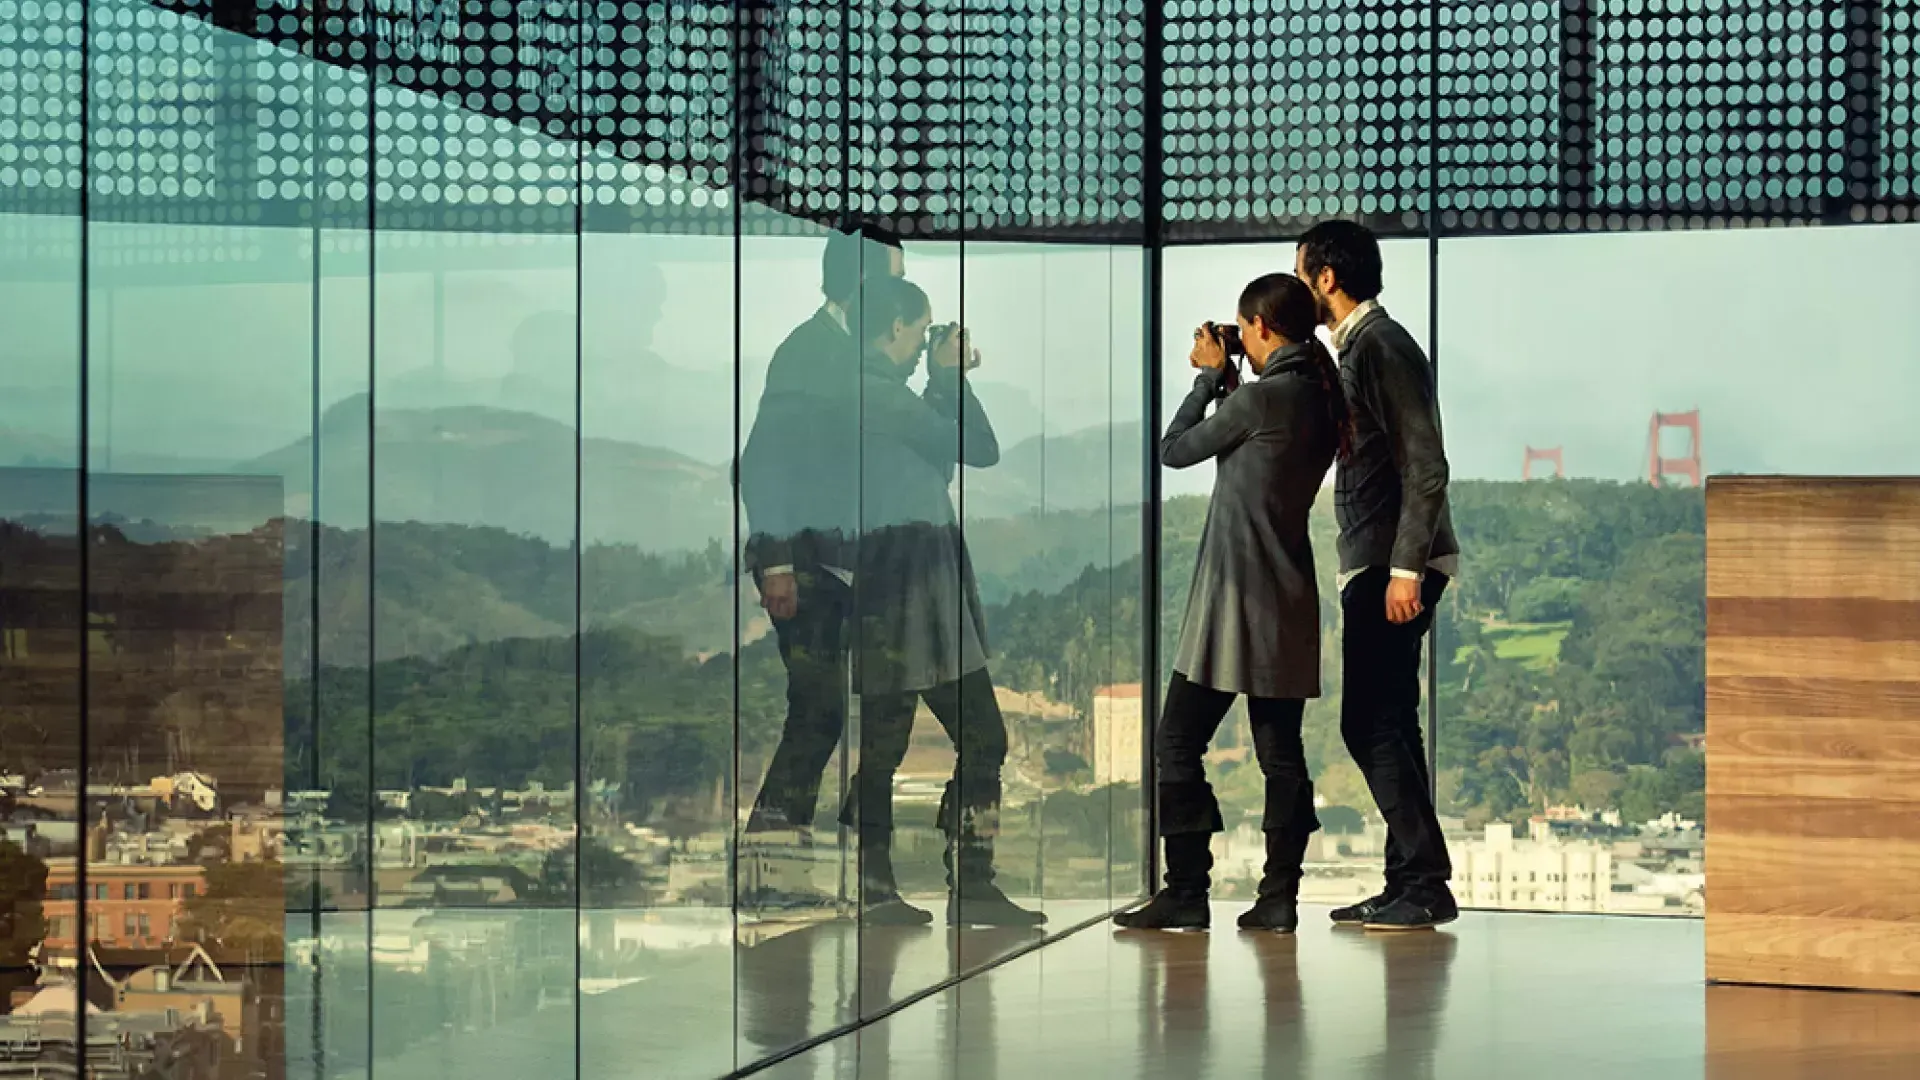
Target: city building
[
  {"x": 1117, "y": 728},
  {"x": 1538, "y": 872},
  {"x": 127, "y": 906}
]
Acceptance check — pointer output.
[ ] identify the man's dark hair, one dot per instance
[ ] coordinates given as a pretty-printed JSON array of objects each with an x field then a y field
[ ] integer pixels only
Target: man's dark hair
[
  {"x": 855, "y": 252},
  {"x": 1351, "y": 250}
]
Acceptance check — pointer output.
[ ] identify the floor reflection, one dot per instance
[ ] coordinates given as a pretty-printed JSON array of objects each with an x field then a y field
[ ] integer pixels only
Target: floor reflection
[
  {"x": 1285, "y": 1048},
  {"x": 1173, "y": 998},
  {"x": 1503, "y": 996},
  {"x": 1496, "y": 996},
  {"x": 1765, "y": 1033},
  {"x": 1414, "y": 971}
]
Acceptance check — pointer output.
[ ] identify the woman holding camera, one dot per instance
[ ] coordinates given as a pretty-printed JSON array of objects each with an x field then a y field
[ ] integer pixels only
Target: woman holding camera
[
  {"x": 921, "y": 630},
  {"x": 1253, "y": 615}
]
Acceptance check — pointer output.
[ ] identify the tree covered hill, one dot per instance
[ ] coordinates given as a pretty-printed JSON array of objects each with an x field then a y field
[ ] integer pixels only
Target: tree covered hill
[{"x": 1570, "y": 651}]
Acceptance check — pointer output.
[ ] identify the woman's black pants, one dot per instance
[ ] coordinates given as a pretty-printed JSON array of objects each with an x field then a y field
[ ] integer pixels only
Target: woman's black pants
[{"x": 1187, "y": 803}]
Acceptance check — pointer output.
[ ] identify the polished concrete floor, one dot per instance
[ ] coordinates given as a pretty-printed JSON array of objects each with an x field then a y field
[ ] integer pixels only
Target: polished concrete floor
[{"x": 1540, "y": 997}]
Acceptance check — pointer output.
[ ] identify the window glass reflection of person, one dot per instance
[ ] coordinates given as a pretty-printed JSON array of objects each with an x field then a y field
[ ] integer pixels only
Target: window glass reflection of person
[
  {"x": 1252, "y": 623},
  {"x": 799, "y": 485},
  {"x": 922, "y": 632}
]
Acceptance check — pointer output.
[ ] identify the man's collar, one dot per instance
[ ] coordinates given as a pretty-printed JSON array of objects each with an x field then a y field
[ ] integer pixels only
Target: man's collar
[
  {"x": 837, "y": 313},
  {"x": 1352, "y": 322}
]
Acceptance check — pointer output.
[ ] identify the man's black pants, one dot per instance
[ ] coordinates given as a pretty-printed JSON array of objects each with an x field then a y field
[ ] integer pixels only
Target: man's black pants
[
  {"x": 813, "y": 645},
  {"x": 1380, "y": 722}
]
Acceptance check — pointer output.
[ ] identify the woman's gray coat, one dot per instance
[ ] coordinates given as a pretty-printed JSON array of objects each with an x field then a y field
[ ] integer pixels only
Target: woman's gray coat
[
  {"x": 919, "y": 617},
  {"x": 1253, "y": 614}
]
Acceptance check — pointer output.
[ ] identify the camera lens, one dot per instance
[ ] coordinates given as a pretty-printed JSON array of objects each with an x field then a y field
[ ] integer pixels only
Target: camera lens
[{"x": 1229, "y": 335}]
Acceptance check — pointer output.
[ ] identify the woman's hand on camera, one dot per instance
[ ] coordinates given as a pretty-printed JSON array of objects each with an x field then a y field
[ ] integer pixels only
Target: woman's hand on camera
[
  {"x": 947, "y": 347},
  {"x": 1208, "y": 353}
]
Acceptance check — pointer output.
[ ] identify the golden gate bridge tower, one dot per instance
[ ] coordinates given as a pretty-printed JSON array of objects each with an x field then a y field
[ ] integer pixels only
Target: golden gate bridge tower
[
  {"x": 1548, "y": 456},
  {"x": 1661, "y": 469}
]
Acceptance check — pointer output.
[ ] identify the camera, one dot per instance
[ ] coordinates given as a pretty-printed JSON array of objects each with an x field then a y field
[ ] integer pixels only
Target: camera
[{"x": 1228, "y": 335}]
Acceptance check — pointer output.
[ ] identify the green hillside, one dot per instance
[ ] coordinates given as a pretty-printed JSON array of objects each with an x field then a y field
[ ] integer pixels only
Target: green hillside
[
  {"x": 1588, "y": 706},
  {"x": 1571, "y": 652}
]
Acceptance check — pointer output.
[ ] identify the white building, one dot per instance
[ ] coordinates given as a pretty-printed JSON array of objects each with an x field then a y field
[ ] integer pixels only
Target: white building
[
  {"x": 1118, "y": 723},
  {"x": 1539, "y": 873}
]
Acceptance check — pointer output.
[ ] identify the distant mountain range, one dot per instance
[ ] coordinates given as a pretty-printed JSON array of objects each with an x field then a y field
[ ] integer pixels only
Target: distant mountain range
[
  {"x": 477, "y": 510},
  {"x": 1081, "y": 470},
  {"x": 508, "y": 470},
  {"x": 513, "y": 470}
]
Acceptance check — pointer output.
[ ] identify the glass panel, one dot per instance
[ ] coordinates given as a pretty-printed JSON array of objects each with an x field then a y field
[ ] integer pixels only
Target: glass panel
[
  {"x": 1344, "y": 857},
  {"x": 476, "y": 796},
  {"x": 924, "y": 696},
  {"x": 200, "y": 343},
  {"x": 41, "y": 458},
  {"x": 658, "y": 669},
  {"x": 1119, "y": 724},
  {"x": 799, "y": 383},
  {"x": 1572, "y": 680},
  {"x": 329, "y": 809},
  {"x": 1040, "y": 528},
  {"x": 660, "y": 674}
]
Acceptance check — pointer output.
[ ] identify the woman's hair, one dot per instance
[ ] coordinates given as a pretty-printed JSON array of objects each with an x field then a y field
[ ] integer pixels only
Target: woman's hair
[
  {"x": 885, "y": 301},
  {"x": 1287, "y": 307}
]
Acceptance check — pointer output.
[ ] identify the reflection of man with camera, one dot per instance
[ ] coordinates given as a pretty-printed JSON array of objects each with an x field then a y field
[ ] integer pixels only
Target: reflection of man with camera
[
  {"x": 922, "y": 628},
  {"x": 800, "y": 486}
]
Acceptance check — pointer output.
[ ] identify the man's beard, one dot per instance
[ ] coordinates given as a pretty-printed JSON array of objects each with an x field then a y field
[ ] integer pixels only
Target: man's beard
[{"x": 1320, "y": 305}]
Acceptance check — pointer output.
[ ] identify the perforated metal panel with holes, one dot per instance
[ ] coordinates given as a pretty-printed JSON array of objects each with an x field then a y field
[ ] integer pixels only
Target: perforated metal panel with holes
[{"x": 984, "y": 118}]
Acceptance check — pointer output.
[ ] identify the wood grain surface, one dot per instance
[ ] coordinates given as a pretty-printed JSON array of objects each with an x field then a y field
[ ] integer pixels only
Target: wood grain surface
[{"x": 1813, "y": 732}]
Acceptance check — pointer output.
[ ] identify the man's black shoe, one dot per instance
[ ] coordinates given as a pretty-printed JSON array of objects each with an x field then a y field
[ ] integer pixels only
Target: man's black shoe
[
  {"x": 1415, "y": 912},
  {"x": 894, "y": 911},
  {"x": 1276, "y": 914},
  {"x": 1169, "y": 910},
  {"x": 1358, "y": 914},
  {"x": 986, "y": 905}
]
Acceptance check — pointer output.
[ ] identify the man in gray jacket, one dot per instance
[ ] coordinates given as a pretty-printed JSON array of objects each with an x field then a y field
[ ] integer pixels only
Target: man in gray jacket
[{"x": 1397, "y": 551}]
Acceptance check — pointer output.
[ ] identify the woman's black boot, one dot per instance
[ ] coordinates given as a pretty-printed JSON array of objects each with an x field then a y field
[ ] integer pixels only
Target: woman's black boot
[{"x": 1182, "y": 905}]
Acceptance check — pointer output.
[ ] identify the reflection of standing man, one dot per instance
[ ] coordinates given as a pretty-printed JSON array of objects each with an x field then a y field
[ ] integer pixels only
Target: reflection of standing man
[
  {"x": 1397, "y": 551},
  {"x": 800, "y": 486}
]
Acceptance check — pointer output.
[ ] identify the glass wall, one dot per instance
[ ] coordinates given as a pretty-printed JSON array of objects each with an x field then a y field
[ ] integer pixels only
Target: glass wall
[
  {"x": 1585, "y": 398},
  {"x": 494, "y": 578},
  {"x": 396, "y": 678}
]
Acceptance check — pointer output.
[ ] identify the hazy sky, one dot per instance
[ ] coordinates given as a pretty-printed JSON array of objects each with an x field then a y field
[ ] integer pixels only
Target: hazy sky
[{"x": 1801, "y": 347}]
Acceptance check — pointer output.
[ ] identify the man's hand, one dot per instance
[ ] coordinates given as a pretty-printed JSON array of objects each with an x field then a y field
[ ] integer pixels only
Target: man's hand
[
  {"x": 1207, "y": 353},
  {"x": 780, "y": 596},
  {"x": 1403, "y": 600}
]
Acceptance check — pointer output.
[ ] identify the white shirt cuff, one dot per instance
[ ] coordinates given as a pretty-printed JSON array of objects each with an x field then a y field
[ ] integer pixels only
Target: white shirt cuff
[{"x": 1408, "y": 575}]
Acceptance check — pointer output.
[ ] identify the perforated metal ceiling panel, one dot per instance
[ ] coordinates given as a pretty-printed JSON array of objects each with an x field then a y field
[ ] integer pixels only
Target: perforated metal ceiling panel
[{"x": 983, "y": 118}]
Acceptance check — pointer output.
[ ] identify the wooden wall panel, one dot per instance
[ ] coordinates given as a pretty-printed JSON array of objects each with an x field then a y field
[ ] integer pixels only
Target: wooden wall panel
[{"x": 1813, "y": 732}]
